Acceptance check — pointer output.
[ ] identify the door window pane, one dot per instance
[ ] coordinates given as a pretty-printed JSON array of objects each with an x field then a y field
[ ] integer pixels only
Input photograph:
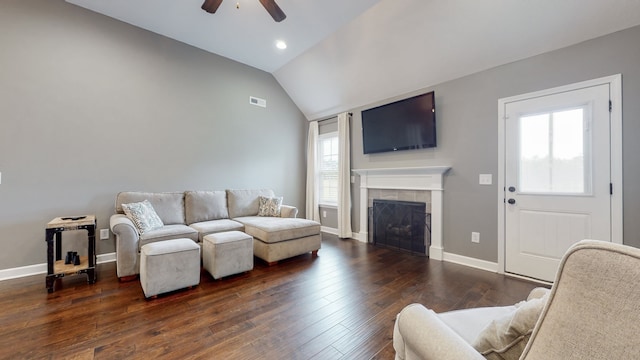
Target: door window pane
[{"x": 554, "y": 150}]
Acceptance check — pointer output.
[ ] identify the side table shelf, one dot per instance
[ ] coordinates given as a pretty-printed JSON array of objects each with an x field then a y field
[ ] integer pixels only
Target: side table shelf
[{"x": 56, "y": 268}]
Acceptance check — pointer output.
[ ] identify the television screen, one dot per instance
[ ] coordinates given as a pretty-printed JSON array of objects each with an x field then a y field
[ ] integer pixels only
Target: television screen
[{"x": 401, "y": 125}]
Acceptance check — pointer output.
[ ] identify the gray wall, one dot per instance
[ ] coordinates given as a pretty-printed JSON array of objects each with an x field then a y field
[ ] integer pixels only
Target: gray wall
[
  {"x": 467, "y": 120},
  {"x": 90, "y": 106},
  {"x": 329, "y": 217}
]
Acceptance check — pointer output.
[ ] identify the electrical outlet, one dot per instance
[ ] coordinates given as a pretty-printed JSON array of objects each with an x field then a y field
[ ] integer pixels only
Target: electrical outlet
[
  {"x": 475, "y": 237},
  {"x": 104, "y": 234},
  {"x": 324, "y": 213}
]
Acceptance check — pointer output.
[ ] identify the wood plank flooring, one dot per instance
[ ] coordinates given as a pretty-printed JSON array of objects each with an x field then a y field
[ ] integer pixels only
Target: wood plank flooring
[{"x": 340, "y": 305}]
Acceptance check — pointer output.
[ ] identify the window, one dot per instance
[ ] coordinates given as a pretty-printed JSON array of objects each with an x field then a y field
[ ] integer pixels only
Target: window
[
  {"x": 328, "y": 168},
  {"x": 554, "y": 152}
]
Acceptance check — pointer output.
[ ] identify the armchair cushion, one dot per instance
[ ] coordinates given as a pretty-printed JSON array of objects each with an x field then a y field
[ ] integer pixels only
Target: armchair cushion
[
  {"x": 420, "y": 334},
  {"x": 468, "y": 323},
  {"x": 505, "y": 338}
]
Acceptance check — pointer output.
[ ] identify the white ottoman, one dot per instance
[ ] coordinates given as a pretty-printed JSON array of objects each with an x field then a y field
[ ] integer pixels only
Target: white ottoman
[
  {"x": 227, "y": 253},
  {"x": 169, "y": 265}
]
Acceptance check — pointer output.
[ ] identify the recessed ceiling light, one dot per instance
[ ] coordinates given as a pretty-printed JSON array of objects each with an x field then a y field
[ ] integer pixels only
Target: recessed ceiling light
[{"x": 280, "y": 44}]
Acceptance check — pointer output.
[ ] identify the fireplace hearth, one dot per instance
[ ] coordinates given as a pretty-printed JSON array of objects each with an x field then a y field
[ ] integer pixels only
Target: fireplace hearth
[{"x": 400, "y": 225}]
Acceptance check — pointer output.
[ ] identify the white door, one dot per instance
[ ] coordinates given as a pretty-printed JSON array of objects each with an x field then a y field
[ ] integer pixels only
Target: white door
[{"x": 557, "y": 177}]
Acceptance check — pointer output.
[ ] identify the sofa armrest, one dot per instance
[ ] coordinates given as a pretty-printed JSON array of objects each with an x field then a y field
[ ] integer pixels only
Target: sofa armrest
[
  {"x": 127, "y": 240},
  {"x": 419, "y": 334},
  {"x": 287, "y": 211}
]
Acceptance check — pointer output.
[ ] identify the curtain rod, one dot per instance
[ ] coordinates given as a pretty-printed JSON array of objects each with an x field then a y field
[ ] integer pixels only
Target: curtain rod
[{"x": 333, "y": 117}]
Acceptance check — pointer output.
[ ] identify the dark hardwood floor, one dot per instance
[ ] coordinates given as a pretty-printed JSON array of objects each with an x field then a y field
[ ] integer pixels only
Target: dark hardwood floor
[{"x": 340, "y": 305}]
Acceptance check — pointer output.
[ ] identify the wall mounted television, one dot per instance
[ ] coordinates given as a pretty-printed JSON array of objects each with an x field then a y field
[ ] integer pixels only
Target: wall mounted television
[{"x": 402, "y": 125}]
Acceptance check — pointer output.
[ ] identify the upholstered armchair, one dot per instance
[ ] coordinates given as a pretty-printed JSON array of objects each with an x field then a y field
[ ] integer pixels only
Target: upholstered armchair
[{"x": 591, "y": 312}]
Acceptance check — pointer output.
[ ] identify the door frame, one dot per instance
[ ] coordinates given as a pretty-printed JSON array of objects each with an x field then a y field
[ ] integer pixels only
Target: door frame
[{"x": 615, "y": 95}]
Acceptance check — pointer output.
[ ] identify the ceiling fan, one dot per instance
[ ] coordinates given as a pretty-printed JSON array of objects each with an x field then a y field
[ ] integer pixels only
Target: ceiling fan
[{"x": 273, "y": 9}]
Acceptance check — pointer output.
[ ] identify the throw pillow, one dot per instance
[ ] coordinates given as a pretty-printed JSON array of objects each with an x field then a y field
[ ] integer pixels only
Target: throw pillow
[
  {"x": 505, "y": 338},
  {"x": 269, "y": 206},
  {"x": 143, "y": 216}
]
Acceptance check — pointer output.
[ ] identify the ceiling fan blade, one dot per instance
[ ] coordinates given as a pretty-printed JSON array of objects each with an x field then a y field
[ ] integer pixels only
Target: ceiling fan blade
[
  {"x": 211, "y": 6},
  {"x": 274, "y": 10}
]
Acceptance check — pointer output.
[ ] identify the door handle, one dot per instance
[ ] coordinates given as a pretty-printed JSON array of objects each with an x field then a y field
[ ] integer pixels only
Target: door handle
[
  {"x": 512, "y": 189},
  {"x": 511, "y": 201}
]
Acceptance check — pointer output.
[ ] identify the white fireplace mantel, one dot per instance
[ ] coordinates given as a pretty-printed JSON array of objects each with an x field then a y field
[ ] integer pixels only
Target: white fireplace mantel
[{"x": 428, "y": 178}]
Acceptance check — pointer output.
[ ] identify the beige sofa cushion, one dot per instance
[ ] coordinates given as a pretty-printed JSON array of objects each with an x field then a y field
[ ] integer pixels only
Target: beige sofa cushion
[
  {"x": 205, "y": 228},
  {"x": 205, "y": 205},
  {"x": 506, "y": 337},
  {"x": 168, "y": 232},
  {"x": 169, "y": 206},
  {"x": 273, "y": 229},
  {"x": 245, "y": 202}
]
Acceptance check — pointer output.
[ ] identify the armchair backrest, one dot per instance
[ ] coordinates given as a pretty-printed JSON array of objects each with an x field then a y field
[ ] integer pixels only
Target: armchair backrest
[{"x": 593, "y": 310}]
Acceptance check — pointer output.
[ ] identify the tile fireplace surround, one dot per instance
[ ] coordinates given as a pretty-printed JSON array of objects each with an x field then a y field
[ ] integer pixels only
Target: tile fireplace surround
[{"x": 428, "y": 178}]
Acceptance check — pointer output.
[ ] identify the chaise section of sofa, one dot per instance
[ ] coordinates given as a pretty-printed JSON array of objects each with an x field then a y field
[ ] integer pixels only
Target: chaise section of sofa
[{"x": 274, "y": 238}]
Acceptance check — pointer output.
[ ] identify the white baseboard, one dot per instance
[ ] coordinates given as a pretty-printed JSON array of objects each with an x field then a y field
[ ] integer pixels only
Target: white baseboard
[
  {"x": 38, "y": 269},
  {"x": 471, "y": 262},
  {"x": 434, "y": 253},
  {"x": 329, "y": 230},
  {"x": 362, "y": 237},
  {"x": 542, "y": 282},
  {"x": 106, "y": 258}
]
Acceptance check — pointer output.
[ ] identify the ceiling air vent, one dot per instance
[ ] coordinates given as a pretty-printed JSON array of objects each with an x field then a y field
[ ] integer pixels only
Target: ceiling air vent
[{"x": 257, "y": 101}]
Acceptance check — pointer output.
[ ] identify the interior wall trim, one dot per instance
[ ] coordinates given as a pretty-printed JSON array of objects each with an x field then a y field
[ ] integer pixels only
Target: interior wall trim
[
  {"x": 37, "y": 269},
  {"x": 470, "y": 262},
  {"x": 329, "y": 230}
]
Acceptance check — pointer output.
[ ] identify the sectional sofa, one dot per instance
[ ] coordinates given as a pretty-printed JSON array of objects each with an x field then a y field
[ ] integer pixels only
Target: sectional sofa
[{"x": 195, "y": 214}]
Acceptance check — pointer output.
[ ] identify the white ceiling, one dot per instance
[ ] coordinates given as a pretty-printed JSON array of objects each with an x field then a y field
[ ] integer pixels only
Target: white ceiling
[
  {"x": 343, "y": 54},
  {"x": 247, "y": 34}
]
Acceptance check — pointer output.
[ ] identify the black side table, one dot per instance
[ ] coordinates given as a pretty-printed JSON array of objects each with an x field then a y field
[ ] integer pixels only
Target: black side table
[{"x": 56, "y": 268}]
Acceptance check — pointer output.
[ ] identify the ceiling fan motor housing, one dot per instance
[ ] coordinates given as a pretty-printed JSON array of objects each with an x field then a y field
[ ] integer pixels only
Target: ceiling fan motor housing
[{"x": 211, "y": 6}]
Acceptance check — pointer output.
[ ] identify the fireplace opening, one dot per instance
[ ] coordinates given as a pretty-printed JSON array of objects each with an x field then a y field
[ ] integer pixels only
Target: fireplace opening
[{"x": 401, "y": 225}]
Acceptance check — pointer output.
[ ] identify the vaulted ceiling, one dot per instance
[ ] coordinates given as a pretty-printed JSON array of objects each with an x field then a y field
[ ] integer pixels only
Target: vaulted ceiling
[{"x": 344, "y": 54}]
